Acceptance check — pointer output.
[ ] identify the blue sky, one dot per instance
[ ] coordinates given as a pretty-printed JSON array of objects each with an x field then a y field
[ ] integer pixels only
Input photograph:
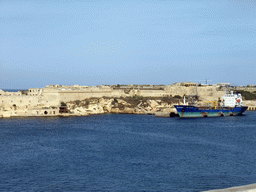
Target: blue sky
[{"x": 97, "y": 42}]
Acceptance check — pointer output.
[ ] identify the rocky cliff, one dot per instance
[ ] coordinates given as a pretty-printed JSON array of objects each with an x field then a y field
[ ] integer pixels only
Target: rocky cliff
[{"x": 128, "y": 105}]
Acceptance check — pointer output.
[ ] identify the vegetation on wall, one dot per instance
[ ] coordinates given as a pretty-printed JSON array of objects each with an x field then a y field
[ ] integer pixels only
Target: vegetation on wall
[
  {"x": 177, "y": 97},
  {"x": 63, "y": 104},
  {"x": 247, "y": 95},
  {"x": 167, "y": 99}
]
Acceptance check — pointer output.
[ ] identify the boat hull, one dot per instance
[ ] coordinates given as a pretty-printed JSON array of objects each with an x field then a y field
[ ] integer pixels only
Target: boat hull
[{"x": 192, "y": 111}]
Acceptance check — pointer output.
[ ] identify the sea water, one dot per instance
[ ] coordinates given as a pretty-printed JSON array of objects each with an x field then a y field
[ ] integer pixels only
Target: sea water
[{"x": 127, "y": 153}]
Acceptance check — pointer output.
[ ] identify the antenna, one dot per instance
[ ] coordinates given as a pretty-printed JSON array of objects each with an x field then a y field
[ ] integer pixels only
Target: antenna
[{"x": 206, "y": 81}]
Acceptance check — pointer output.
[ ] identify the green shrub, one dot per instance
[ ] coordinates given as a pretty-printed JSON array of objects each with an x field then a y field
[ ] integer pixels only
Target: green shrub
[
  {"x": 137, "y": 97},
  {"x": 177, "y": 97},
  {"x": 247, "y": 95},
  {"x": 167, "y": 100},
  {"x": 63, "y": 104},
  {"x": 85, "y": 103},
  {"x": 77, "y": 102}
]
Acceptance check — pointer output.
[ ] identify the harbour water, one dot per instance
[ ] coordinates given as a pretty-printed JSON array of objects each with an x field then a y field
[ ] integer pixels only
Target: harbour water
[{"x": 127, "y": 153}]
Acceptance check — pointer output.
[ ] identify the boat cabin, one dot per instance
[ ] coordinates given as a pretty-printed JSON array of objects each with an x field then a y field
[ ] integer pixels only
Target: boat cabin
[{"x": 232, "y": 100}]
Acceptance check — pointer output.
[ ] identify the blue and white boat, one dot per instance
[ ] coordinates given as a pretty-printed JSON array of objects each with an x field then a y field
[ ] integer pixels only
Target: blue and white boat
[{"x": 231, "y": 105}]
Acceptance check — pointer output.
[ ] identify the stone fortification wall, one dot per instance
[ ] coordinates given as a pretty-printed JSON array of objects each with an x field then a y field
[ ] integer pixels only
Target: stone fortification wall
[
  {"x": 53, "y": 96},
  {"x": 153, "y": 93},
  {"x": 41, "y": 112},
  {"x": 7, "y": 102},
  {"x": 81, "y": 95},
  {"x": 11, "y": 101},
  {"x": 204, "y": 92},
  {"x": 67, "y": 95},
  {"x": 247, "y": 88},
  {"x": 180, "y": 90},
  {"x": 251, "y": 105},
  {"x": 6, "y": 93},
  {"x": 32, "y": 103},
  {"x": 50, "y": 97},
  {"x": 209, "y": 93},
  {"x": 34, "y": 91}
]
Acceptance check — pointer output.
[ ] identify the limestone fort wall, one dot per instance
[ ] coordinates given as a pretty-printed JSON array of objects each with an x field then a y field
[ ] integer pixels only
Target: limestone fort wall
[
  {"x": 35, "y": 99},
  {"x": 53, "y": 96}
]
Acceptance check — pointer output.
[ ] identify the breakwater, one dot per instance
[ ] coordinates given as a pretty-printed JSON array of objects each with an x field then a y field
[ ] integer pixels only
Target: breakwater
[
  {"x": 244, "y": 188},
  {"x": 251, "y": 108}
]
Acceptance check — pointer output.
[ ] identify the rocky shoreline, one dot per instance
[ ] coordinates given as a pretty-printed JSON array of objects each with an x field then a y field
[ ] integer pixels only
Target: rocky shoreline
[
  {"x": 58, "y": 100},
  {"x": 158, "y": 106},
  {"x": 92, "y": 106},
  {"x": 128, "y": 105}
]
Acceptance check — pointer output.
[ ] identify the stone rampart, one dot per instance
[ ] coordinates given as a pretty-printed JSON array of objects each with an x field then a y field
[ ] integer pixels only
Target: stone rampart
[
  {"x": 39, "y": 112},
  {"x": 13, "y": 103},
  {"x": 54, "y": 95},
  {"x": 154, "y": 93}
]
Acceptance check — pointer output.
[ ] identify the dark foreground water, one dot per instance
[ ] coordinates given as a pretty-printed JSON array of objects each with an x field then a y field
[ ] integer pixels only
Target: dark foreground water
[{"x": 127, "y": 153}]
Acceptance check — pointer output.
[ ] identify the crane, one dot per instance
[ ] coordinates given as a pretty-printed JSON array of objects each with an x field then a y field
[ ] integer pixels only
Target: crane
[{"x": 215, "y": 103}]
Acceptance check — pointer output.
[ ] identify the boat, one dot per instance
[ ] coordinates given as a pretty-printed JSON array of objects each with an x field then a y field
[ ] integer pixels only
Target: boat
[{"x": 230, "y": 105}]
